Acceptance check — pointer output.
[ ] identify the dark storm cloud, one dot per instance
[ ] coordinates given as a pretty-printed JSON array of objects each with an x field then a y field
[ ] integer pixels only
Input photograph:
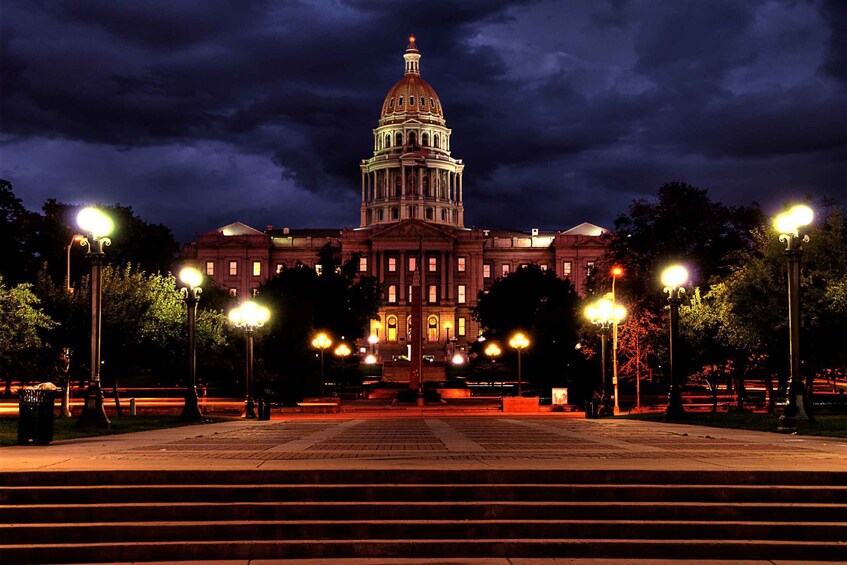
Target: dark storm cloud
[{"x": 205, "y": 112}]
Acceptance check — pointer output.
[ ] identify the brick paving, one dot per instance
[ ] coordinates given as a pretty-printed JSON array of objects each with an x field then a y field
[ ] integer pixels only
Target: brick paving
[{"x": 508, "y": 441}]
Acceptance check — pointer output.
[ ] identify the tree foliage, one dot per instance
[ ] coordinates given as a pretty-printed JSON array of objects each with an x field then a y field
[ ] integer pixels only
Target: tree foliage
[
  {"x": 543, "y": 306},
  {"x": 23, "y": 329}
]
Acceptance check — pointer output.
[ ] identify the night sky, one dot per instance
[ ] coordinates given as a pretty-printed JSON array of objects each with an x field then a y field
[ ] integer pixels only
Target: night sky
[{"x": 200, "y": 113}]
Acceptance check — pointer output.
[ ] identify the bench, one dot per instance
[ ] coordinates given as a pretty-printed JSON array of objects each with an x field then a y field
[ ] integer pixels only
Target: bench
[{"x": 320, "y": 405}]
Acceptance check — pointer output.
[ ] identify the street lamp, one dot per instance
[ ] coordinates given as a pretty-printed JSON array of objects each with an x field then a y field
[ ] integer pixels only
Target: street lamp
[
  {"x": 249, "y": 316},
  {"x": 616, "y": 272},
  {"x": 74, "y": 239},
  {"x": 788, "y": 225},
  {"x": 674, "y": 279},
  {"x": 342, "y": 351},
  {"x": 192, "y": 278},
  {"x": 322, "y": 342},
  {"x": 448, "y": 325},
  {"x": 519, "y": 341},
  {"x": 493, "y": 351},
  {"x": 373, "y": 340},
  {"x": 605, "y": 315},
  {"x": 97, "y": 226}
]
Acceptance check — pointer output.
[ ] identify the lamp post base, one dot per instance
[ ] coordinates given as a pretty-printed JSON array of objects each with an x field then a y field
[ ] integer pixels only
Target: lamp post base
[
  {"x": 93, "y": 411},
  {"x": 249, "y": 409},
  {"x": 674, "y": 412},
  {"x": 191, "y": 410},
  {"x": 792, "y": 414}
]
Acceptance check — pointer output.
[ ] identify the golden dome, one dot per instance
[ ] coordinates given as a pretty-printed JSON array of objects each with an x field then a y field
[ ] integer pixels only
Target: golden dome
[{"x": 412, "y": 96}]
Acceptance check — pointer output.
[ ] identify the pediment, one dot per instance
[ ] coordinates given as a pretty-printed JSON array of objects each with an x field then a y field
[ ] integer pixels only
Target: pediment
[{"x": 413, "y": 229}]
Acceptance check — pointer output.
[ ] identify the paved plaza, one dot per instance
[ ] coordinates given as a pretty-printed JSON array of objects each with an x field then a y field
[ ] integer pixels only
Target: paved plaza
[{"x": 386, "y": 441}]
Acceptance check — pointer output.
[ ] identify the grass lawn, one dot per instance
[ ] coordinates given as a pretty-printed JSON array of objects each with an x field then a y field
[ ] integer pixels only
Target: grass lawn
[
  {"x": 829, "y": 425},
  {"x": 66, "y": 428}
]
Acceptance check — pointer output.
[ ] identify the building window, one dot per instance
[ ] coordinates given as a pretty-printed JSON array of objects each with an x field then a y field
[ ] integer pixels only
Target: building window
[
  {"x": 210, "y": 268},
  {"x": 363, "y": 264},
  {"x": 432, "y": 329},
  {"x": 424, "y": 139},
  {"x": 486, "y": 270},
  {"x": 567, "y": 267},
  {"x": 391, "y": 102},
  {"x": 461, "y": 328},
  {"x": 435, "y": 141},
  {"x": 400, "y": 101},
  {"x": 395, "y": 213},
  {"x": 461, "y": 265},
  {"x": 412, "y": 264},
  {"x": 392, "y": 328},
  {"x": 460, "y": 295},
  {"x": 280, "y": 267},
  {"x": 423, "y": 101},
  {"x": 387, "y": 140},
  {"x": 429, "y": 214},
  {"x": 411, "y": 100},
  {"x": 319, "y": 269},
  {"x": 409, "y": 294},
  {"x": 233, "y": 292},
  {"x": 504, "y": 269},
  {"x": 257, "y": 268},
  {"x": 233, "y": 268},
  {"x": 433, "y": 293},
  {"x": 392, "y": 264},
  {"x": 433, "y": 264},
  {"x": 524, "y": 265},
  {"x": 432, "y": 102},
  {"x": 543, "y": 266},
  {"x": 392, "y": 294}
]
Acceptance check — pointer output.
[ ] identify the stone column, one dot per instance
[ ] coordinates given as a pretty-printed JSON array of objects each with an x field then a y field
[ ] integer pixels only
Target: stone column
[{"x": 444, "y": 291}]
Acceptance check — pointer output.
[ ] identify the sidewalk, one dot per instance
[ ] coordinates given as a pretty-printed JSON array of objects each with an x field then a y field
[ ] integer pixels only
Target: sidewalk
[{"x": 382, "y": 441}]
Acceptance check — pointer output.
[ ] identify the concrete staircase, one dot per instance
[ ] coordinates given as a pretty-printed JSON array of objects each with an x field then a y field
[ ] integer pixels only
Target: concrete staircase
[{"x": 74, "y": 517}]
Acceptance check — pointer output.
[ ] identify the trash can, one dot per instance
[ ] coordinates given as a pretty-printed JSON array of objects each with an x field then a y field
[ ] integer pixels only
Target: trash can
[
  {"x": 35, "y": 419},
  {"x": 589, "y": 408},
  {"x": 264, "y": 409}
]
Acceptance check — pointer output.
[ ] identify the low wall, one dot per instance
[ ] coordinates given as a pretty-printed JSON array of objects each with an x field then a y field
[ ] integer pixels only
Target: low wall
[{"x": 520, "y": 404}]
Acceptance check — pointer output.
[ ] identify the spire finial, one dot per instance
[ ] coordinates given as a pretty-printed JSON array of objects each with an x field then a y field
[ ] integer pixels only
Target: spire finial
[{"x": 412, "y": 57}]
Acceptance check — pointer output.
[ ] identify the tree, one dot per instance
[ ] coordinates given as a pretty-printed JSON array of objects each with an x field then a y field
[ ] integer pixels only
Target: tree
[
  {"x": 543, "y": 306},
  {"x": 23, "y": 326},
  {"x": 17, "y": 226},
  {"x": 340, "y": 301}
]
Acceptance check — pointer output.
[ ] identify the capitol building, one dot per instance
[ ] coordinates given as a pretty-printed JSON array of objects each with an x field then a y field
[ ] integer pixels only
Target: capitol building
[{"x": 412, "y": 220}]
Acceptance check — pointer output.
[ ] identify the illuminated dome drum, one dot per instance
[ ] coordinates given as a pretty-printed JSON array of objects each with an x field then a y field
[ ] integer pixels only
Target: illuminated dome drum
[{"x": 411, "y": 173}]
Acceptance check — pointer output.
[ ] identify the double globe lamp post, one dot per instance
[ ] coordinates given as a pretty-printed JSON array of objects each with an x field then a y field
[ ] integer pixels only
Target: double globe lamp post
[
  {"x": 192, "y": 279},
  {"x": 674, "y": 279},
  {"x": 605, "y": 314},
  {"x": 96, "y": 226},
  {"x": 249, "y": 316},
  {"x": 789, "y": 225}
]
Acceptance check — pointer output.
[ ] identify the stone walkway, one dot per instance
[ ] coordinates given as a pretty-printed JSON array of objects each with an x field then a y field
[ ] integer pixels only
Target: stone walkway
[{"x": 376, "y": 441}]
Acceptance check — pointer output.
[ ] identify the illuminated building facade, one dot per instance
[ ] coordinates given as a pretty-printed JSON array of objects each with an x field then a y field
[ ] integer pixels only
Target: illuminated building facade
[{"x": 411, "y": 219}]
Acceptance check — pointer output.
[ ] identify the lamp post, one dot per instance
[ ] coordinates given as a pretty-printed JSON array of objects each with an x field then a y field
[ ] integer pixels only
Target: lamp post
[
  {"x": 97, "y": 226},
  {"x": 493, "y": 351},
  {"x": 520, "y": 342},
  {"x": 616, "y": 272},
  {"x": 249, "y": 316},
  {"x": 448, "y": 325},
  {"x": 788, "y": 224},
  {"x": 342, "y": 351},
  {"x": 674, "y": 279},
  {"x": 605, "y": 315},
  {"x": 74, "y": 239},
  {"x": 192, "y": 278},
  {"x": 373, "y": 340},
  {"x": 322, "y": 342}
]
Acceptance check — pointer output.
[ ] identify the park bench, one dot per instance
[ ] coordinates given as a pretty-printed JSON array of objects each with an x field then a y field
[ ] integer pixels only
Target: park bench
[{"x": 320, "y": 405}]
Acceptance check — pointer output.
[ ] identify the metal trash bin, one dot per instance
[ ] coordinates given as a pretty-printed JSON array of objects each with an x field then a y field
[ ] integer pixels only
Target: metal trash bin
[
  {"x": 35, "y": 416},
  {"x": 589, "y": 408},
  {"x": 264, "y": 409}
]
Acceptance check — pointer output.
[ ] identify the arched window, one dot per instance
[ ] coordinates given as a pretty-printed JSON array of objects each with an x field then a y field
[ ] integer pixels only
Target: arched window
[
  {"x": 423, "y": 102},
  {"x": 387, "y": 140},
  {"x": 443, "y": 215},
  {"x": 431, "y": 102},
  {"x": 392, "y": 328},
  {"x": 400, "y": 101},
  {"x": 413, "y": 138},
  {"x": 391, "y": 102},
  {"x": 408, "y": 328},
  {"x": 411, "y": 100},
  {"x": 435, "y": 141},
  {"x": 424, "y": 139},
  {"x": 432, "y": 329},
  {"x": 429, "y": 214},
  {"x": 398, "y": 140}
]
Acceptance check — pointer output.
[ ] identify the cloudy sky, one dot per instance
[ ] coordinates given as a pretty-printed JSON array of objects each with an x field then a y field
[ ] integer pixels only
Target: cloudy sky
[{"x": 199, "y": 113}]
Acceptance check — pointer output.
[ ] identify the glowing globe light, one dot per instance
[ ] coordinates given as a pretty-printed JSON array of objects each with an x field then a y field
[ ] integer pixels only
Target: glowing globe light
[
  {"x": 93, "y": 221},
  {"x": 370, "y": 360},
  {"x": 458, "y": 359},
  {"x": 519, "y": 341},
  {"x": 342, "y": 350},
  {"x": 674, "y": 276},
  {"x": 493, "y": 350},
  {"x": 249, "y": 314},
  {"x": 791, "y": 221},
  {"x": 191, "y": 277},
  {"x": 321, "y": 341},
  {"x": 372, "y": 339}
]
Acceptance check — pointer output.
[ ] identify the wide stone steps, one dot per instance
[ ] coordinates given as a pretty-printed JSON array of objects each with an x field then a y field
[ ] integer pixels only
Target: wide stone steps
[{"x": 48, "y": 517}]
